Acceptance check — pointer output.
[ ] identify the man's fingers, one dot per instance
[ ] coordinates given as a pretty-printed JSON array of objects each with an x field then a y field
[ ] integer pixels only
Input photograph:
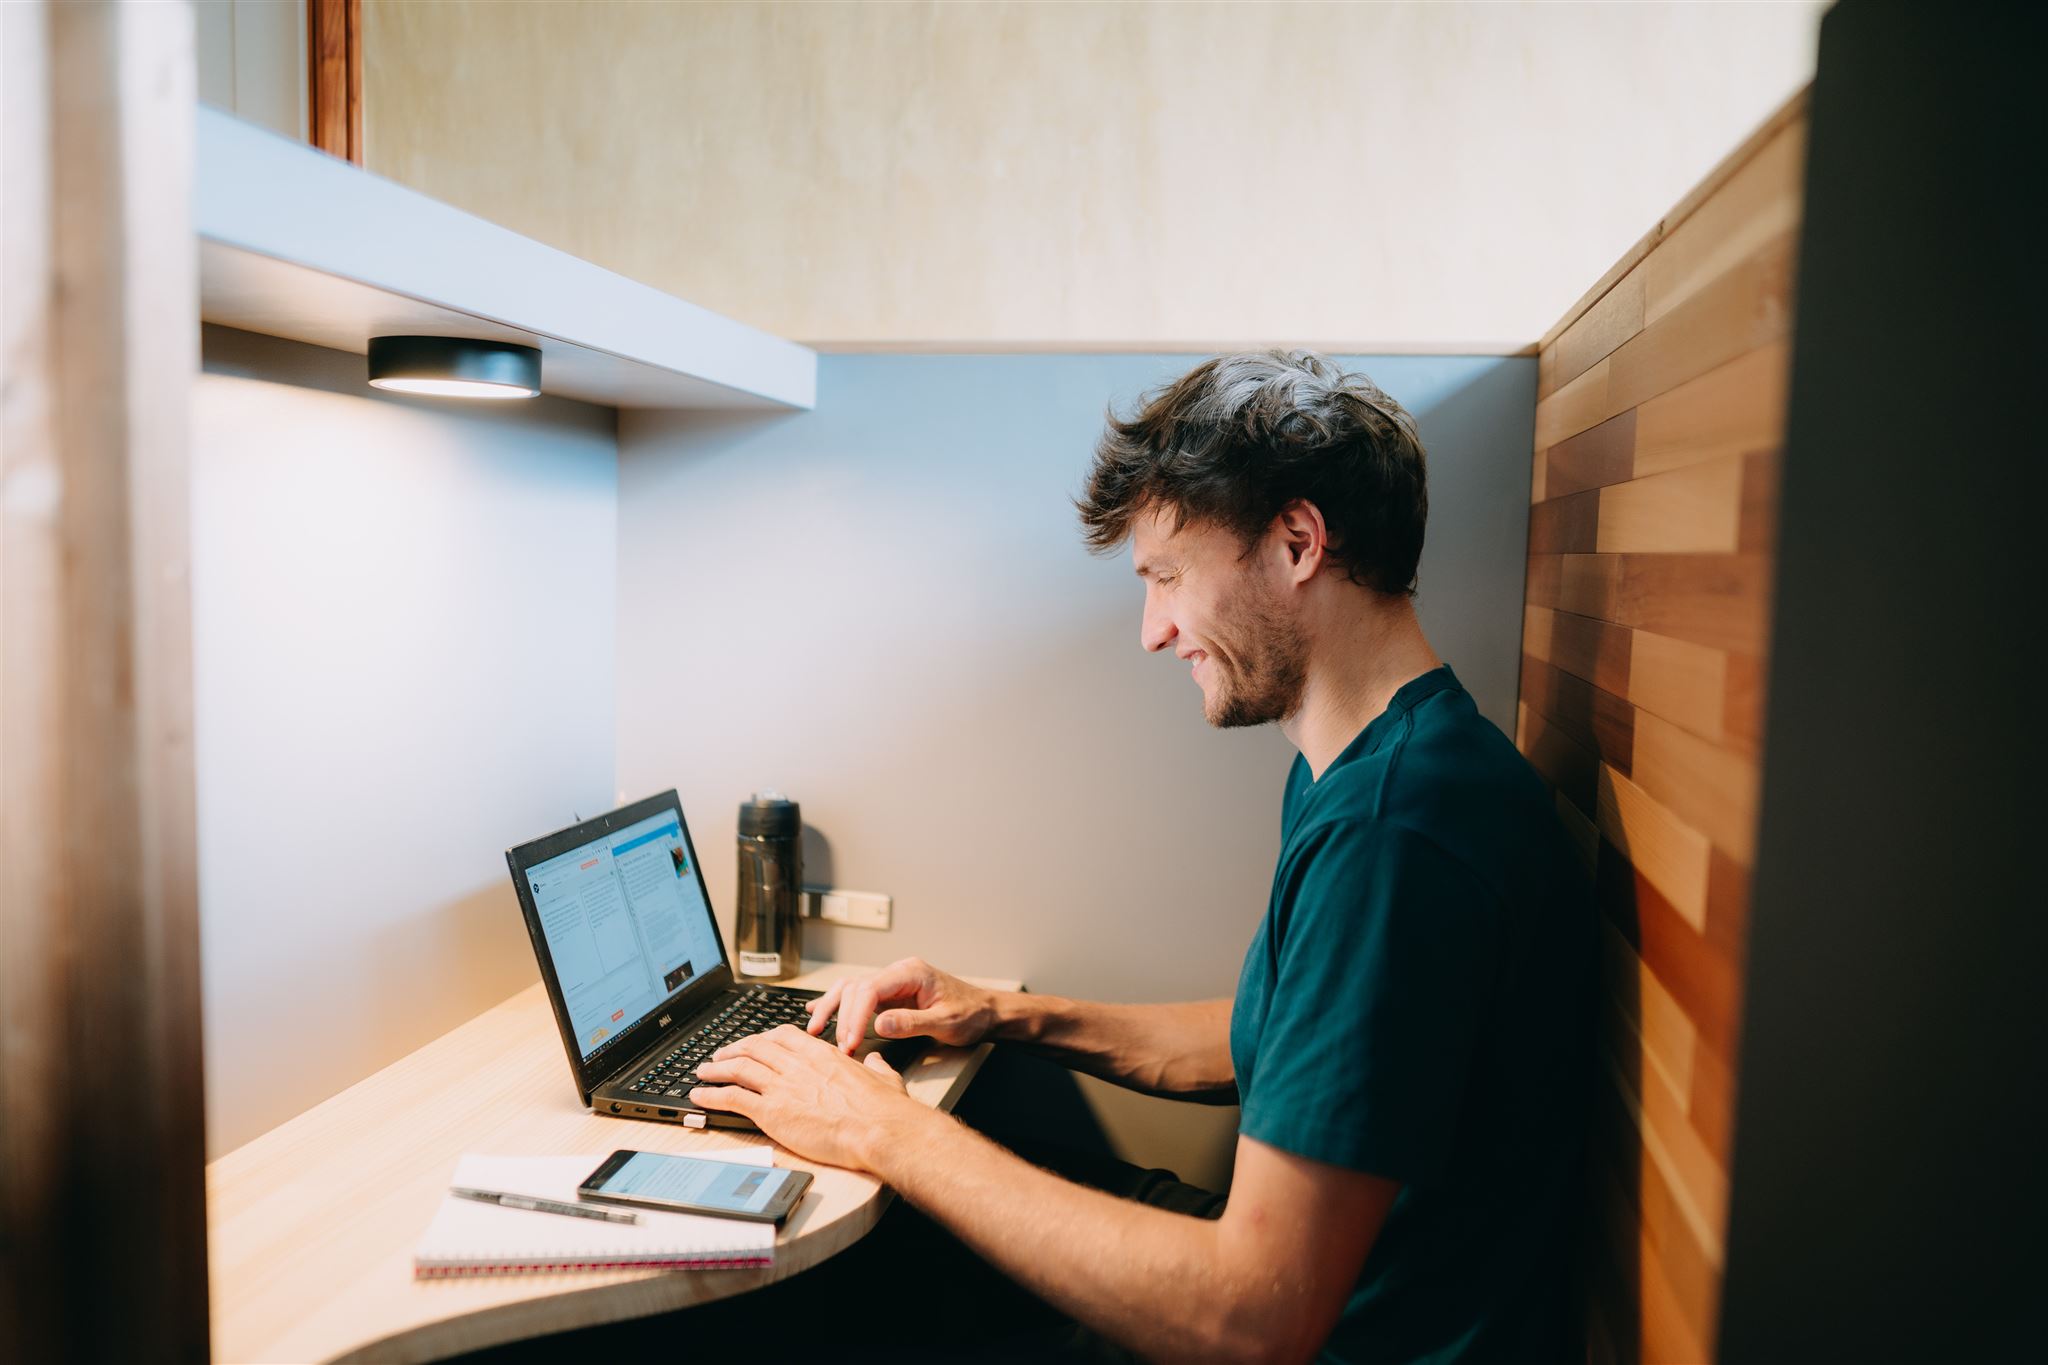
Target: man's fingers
[
  {"x": 905, "y": 1023},
  {"x": 734, "y": 1098},
  {"x": 744, "y": 1071},
  {"x": 873, "y": 1061},
  {"x": 822, "y": 1008},
  {"x": 854, "y": 1009},
  {"x": 899, "y": 982},
  {"x": 790, "y": 1038},
  {"x": 755, "y": 1045}
]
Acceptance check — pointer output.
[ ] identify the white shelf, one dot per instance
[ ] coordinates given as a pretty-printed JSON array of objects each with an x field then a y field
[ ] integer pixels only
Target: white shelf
[{"x": 295, "y": 243}]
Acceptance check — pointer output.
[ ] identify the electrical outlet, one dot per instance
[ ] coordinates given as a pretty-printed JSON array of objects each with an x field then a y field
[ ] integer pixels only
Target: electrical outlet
[{"x": 856, "y": 909}]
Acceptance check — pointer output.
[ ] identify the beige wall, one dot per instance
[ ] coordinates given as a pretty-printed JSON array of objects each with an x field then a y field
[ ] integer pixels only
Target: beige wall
[
  {"x": 252, "y": 60},
  {"x": 1406, "y": 175}
]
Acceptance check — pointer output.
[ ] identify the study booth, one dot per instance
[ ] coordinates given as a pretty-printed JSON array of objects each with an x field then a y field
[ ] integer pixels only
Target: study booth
[{"x": 1674, "y": 620}]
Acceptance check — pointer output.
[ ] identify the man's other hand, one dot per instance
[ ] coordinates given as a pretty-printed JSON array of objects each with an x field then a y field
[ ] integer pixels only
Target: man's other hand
[
  {"x": 808, "y": 1096},
  {"x": 915, "y": 999}
]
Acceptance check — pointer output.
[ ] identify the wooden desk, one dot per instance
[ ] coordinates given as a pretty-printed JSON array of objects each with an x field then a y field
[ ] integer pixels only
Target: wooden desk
[{"x": 310, "y": 1228}]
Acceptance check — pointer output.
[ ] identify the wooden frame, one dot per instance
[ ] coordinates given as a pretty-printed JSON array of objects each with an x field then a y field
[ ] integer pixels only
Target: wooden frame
[
  {"x": 101, "y": 1175},
  {"x": 334, "y": 84}
]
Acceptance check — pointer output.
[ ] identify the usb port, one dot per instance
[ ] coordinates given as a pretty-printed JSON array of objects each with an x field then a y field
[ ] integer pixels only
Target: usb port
[{"x": 666, "y": 1113}]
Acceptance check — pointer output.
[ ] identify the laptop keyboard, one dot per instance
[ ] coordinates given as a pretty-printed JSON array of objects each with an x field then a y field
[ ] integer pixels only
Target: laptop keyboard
[{"x": 754, "y": 1010}]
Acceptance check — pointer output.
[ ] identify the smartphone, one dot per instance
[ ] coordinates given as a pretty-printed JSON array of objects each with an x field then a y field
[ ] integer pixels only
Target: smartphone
[{"x": 688, "y": 1184}]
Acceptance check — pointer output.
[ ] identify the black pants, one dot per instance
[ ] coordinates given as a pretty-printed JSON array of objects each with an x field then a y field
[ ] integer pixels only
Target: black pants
[{"x": 966, "y": 1310}]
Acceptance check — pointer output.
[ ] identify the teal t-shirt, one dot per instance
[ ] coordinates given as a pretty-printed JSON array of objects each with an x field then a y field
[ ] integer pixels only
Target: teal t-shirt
[{"x": 1418, "y": 1003}]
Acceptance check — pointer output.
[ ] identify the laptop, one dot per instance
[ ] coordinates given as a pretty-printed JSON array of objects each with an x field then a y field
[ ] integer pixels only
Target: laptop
[{"x": 635, "y": 966}]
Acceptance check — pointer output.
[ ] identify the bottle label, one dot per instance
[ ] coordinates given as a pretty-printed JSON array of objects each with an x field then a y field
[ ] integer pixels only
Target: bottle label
[{"x": 760, "y": 964}]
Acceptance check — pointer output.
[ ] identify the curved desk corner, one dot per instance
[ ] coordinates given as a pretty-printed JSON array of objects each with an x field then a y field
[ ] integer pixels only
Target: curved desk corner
[{"x": 310, "y": 1227}]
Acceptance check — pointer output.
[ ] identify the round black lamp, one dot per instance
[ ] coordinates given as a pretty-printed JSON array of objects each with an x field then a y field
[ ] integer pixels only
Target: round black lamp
[{"x": 454, "y": 367}]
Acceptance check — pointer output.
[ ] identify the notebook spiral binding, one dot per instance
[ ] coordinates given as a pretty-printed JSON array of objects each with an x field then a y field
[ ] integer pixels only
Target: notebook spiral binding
[{"x": 463, "y": 1272}]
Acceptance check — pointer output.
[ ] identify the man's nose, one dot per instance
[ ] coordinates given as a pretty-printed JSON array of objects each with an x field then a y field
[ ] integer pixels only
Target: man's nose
[{"x": 1156, "y": 631}]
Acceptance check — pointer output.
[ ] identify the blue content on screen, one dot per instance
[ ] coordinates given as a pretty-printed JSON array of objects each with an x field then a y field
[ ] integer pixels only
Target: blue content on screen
[{"x": 627, "y": 925}]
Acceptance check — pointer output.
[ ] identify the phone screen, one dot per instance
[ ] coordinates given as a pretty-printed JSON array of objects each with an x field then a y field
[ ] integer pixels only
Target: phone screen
[{"x": 713, "y": 1185}]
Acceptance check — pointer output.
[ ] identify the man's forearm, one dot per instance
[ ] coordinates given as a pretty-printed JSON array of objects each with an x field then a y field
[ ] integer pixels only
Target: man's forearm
[
  {"x": 1179, "y": 1049},
  {"x": 1163, "y": 1283}
]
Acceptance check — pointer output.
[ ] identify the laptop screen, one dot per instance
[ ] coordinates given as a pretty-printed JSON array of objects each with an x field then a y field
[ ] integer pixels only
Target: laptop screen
[{"x": 627, "y": 924}]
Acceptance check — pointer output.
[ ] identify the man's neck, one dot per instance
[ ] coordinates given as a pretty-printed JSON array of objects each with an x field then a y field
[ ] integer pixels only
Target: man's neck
[{"x": 1365, "y": 653}]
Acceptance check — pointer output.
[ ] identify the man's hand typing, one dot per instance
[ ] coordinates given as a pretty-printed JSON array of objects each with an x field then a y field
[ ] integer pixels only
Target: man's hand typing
[{"x": 906, "y": 999}]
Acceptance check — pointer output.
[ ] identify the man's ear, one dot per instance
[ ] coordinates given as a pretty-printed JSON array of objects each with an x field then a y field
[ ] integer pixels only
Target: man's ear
[{"x": 1303, "y": 537}]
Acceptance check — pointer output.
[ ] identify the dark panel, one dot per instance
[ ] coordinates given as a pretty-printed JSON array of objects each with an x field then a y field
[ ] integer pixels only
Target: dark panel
[{"x": 1888, "y": 1189}]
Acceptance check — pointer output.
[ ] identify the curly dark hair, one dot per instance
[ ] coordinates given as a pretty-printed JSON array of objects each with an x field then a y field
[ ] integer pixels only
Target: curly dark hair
[{"x": 1239, "y": 437}]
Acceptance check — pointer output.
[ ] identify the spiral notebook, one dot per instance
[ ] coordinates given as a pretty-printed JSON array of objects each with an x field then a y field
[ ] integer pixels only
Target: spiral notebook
[{"x": 469, "y": 1238}]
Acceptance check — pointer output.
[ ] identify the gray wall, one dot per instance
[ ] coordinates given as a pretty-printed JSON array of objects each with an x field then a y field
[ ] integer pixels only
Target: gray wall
[
  {"x": 402, "y": 622},
  {"x": 882, "y": 607}
]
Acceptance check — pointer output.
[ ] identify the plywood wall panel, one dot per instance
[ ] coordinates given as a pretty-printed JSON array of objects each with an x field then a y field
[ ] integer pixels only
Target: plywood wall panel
[
  {"x": 1580, "y": 645},
  {"x": 1758, "y": 203},
  {"x": 1592, "y": 459},
  {"x": 1711, "y": 1102},
  {"x": 1685, "y": 683},
  {"x": 1748, "y": 307},
  {"x": 1570, "y": 768},
  {"x": 1573, "y": 408},
  {"x": 1697, "y": 509},
  {"x": 1659, "y": 421},
  {"x": 1613, "y": 320},
  {"x": 1710, "y": 787},
  {"x": 1671, "y": 854},
  {"x": 1731, "y": 409},
  {"x": 1598, "y": 721}
]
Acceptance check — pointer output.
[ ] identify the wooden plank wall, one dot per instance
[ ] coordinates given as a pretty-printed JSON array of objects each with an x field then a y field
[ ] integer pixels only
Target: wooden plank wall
[{"x": 1660, "y": 411}]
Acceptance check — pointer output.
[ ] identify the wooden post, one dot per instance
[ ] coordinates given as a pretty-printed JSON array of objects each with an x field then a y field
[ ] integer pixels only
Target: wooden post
[
  {"x": 334, "y": 87},
  {"x": 102, "y": 1194}
]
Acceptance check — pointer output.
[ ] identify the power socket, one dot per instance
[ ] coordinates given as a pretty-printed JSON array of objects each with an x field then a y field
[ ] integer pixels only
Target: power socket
[{"x": 856, "y": 909}]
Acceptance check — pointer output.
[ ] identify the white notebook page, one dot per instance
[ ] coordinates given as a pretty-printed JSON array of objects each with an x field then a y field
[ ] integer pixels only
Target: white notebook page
[{"x": 469, "y": 1237}]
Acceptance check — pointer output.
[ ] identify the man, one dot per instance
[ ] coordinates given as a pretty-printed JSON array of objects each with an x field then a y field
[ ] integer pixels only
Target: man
[{"x": 1410, "y": 1036}]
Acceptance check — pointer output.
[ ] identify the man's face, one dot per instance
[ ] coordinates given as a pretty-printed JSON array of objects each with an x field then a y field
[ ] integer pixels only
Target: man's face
[{"x": 1220, "y": 610}]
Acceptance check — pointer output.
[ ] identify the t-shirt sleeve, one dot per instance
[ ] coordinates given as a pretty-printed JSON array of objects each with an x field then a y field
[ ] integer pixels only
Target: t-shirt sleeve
[{"x": 1386, "y": 960}]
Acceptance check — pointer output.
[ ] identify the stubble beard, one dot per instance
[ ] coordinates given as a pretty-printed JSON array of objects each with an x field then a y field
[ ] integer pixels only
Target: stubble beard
[{"x": 1261, "y": 663}]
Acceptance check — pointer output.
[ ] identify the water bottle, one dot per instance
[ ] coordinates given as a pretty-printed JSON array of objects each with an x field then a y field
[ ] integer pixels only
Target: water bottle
[{"x": 770, "y": 931}]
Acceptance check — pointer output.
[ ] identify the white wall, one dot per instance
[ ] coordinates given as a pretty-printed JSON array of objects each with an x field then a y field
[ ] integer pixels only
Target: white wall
[
  {"x": 883, "y": 607},
  {"x": 252, "y": 60},
  {"x": 403, "y": 618},
  {"x": 1195, "y": 174}
]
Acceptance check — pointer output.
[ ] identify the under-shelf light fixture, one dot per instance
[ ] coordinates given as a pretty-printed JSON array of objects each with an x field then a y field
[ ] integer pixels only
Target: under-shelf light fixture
[{"x": 454, "y": 367}]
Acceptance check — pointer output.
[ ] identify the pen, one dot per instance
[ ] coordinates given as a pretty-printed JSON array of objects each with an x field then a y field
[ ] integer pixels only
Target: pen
[{"x": 527, "y": 1201}]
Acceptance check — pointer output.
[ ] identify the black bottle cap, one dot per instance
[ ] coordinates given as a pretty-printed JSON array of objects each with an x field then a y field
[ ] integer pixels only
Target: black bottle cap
[{"x": 770, "y": 816}]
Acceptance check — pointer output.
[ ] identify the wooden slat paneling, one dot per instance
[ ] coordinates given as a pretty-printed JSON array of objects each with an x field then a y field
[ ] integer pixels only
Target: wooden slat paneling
[
  {"x": 1748, "y": 307},
  {"x": 1730, "y": 410},
  {"x": 1652, "y": 527},
  {"x": 1592, "y": 459},
  {"x": 1666, "y": 850},
  {"x": 1599, "y": 722},
  {"x": 1697, "y": 509},
  {"x": 1759, "y": 202},
  {"x": 1682, "y": 682},
  {"x": 1594, "y": 337},
  {"x": 1709, "y": 787},
  {"x": 1580, "y": 645}
]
